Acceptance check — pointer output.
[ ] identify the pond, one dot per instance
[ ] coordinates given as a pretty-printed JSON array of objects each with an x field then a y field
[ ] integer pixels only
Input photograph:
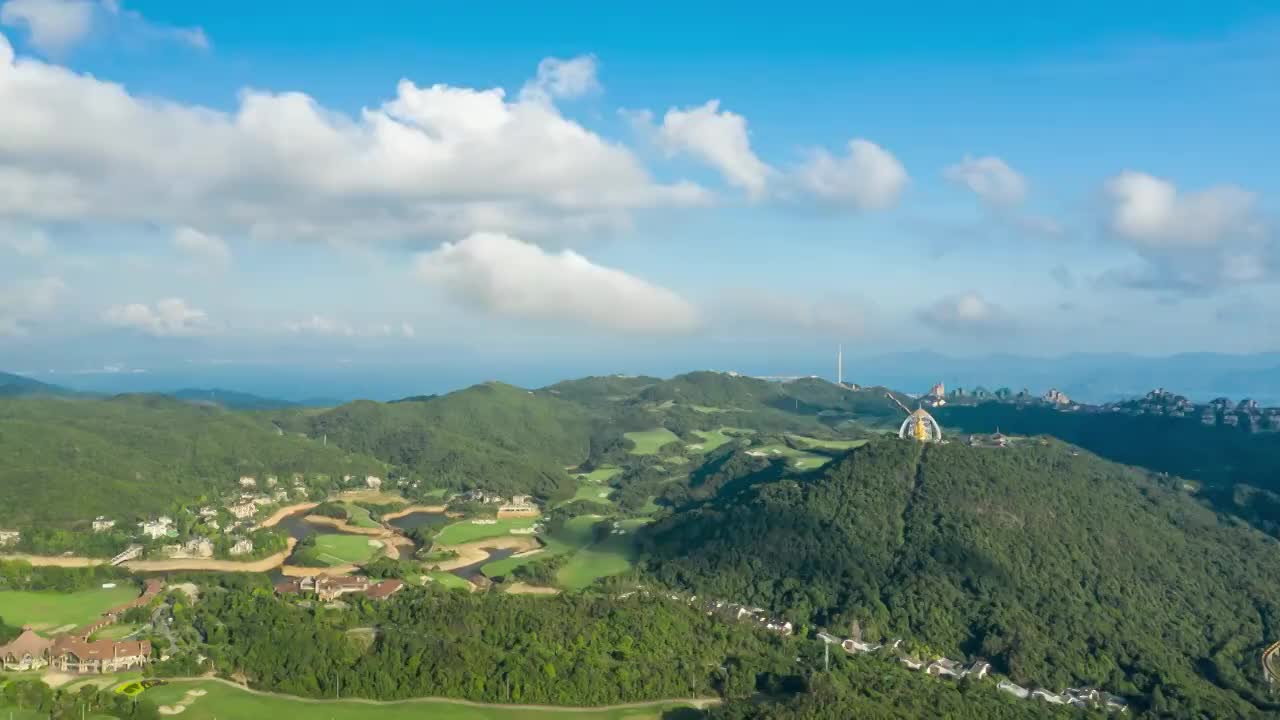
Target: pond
[
  {"x": 466, "y": 572},
  {"x": 415, "y": 520}
]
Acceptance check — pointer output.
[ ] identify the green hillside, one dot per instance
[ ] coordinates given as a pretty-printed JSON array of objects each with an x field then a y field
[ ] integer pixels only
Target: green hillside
[
  {"x": 1062, "y": 569},
  {"x": 602, "y": 390},
  {"x": 16, "y": 385},
  {"x": 69, "y": 460},
  {"x": 494, "y": 436},
  {"x": 1240, "y": 471}
]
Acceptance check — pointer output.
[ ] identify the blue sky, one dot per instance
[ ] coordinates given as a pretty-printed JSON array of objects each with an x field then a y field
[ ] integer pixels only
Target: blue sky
[{"x": 228, "y": 183}]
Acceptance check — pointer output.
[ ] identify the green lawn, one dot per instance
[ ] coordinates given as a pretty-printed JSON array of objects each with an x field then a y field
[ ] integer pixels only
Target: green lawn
[
  {"x": 648, "y": 442},
  {"x": 612, "y": 556},
  {"x": 448, "y": 580},
  {"x": 465, "y": 531},
  {"x": 829, "y": 444},
  {"x": 337, "y": 549},
  {"x": 799, "y": 459},
  {"x": 573, "y": 536},
  {"x": 711, "y": 439},
  {"x": 221, "y": 701},
  {"x": 592, "y": 493},
  {"x": 47, "y": 610},
  {"x": 359, "y": 516},
  {"x": 600, "y": 475},
  {"x": 115, "y": 632}
]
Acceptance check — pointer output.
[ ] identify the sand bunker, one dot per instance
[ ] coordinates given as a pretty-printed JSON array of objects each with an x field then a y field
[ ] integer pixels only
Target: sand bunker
[{"x": 181, "y": 705}]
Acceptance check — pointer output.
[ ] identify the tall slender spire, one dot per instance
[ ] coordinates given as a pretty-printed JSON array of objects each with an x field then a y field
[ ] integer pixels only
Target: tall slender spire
[{"x": 840, "y": 364}]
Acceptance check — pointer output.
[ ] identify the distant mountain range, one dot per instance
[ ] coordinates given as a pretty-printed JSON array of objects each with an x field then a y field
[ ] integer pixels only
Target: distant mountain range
[{"x": 14, "y": 385}]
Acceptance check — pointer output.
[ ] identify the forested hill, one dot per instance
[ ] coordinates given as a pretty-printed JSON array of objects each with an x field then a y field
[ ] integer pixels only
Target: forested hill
[
  {"x": 1240, "y": 471},
  {"x": 495, "y": 436},
  {"x": 15, "y": 385},
  {"x": 69, "y": 460},
  {"x": 1061, "y": 568}
]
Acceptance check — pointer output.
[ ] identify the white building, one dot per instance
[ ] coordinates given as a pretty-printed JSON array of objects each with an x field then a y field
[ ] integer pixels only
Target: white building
[
  {"x": 248, "y": 481},
  {"x": 198, "y": 547},
  {"x": 9, "y": 537},
  {"x": 102, "y": 524},
  {"x": 243, "y": 546},
  {"x": 243, "y": 510},
  {"x": 156, "y": 529},
  {"x": 373, "y": 482},
  {"x": 272, "y": 480}
]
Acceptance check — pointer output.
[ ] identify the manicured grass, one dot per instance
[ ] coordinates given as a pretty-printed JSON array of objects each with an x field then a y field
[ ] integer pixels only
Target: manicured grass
[
  {"x": 829, "y": 444},
  {"x": 465, "y": 531},
  {"x": 448, "y": 580},
  {"x": 336, "y": 549},
  {"x": 648, "y": 442},
  {"x": 591, "y": 493},
  {"x": 799, "y": 459},
  {"x": 221, "y": 701},
  {"x": 359, "y": 516},
  {"x": 612, "y": 556},
  {"x": 115, "y": 632},
  {"x": 600, "y": 475},
  {"x": 575, "y": 535},
  {"x": 46, "y": 610},
  {"x": 437, "y": 493},
  {"x": 711, "y": 439}
]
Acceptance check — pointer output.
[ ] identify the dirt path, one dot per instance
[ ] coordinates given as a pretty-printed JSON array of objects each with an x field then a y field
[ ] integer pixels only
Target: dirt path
[
  {"x": 300, "y": 571},
  {"x": 478, "y": 551},
  {"x": 286, "y": 511},
  {"x": 699, "y": 703},
  {"x": 263, "y": 565},
  {"x": 67, "y": 561},
  {"x": 1271, "y": 664}
]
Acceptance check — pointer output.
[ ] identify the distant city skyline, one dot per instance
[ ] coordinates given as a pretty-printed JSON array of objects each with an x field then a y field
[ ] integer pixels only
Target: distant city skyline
[{"x": 455, "y": 190}]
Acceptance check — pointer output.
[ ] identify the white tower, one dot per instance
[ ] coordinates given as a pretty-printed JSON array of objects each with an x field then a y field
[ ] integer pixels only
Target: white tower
[{"x": 840, "y": 364}]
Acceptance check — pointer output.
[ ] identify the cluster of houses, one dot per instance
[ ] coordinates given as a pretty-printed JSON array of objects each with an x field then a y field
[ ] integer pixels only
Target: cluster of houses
[
  {"x": 331, "y": 587},
  {"x": 75, "y": 652},
  {"x": 518, "y": 505},
  {"x": 727, "y": 610},
  {"x": 1245, "y": 415},
  {"x": 9, "y": 537},
  {"x": 979, "y": 669}
]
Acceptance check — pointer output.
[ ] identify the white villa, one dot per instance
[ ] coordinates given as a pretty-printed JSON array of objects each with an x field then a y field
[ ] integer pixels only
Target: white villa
[
  {"x": 243, "y": 510},
  {"x": 156, "y": 529},
  {"x": 248, "y": 481},
  {"x": 373, "y": 482},
  {"x": 9, "y": 537},
  {"x": 102, "y": 524},
  {"x": 243, "y": 546}
]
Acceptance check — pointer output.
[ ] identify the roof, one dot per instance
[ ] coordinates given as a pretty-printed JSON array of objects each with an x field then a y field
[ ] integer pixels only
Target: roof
[
  {"x": 28, "y": 643},
  {"x": 101, "y": 649},
  {"x": 384, "y": 589}
]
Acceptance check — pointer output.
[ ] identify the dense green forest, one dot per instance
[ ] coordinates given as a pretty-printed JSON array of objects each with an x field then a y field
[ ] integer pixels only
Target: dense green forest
[
  {"x": 569, "y": 650},
  {"x": 1061, "y": 568},
  {"x": 1240, "y": 471},
  {"x": 68, "y": 460}
]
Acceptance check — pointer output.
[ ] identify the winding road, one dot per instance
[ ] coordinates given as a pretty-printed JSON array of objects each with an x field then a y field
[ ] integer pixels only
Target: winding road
[{"x": 1271, "y": 664}]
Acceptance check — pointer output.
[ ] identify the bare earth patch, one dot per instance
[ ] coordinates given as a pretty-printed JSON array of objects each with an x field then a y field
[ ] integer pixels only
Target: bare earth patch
[{"x": 527, "y": 589}]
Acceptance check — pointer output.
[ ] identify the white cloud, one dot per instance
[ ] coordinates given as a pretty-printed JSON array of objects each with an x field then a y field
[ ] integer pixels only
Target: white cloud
[
  {"x": 566, "y": 79},
  {"x": 867, "y": 178},
  {"x": 1192, "y": 241},
  {"x": 965, "y": 314},
  {"x": 329, "y": 326},
  {"x": 717, "y": 137},
  {"x": 431, "y": 160},
  {"x": 53, "y": 26},
  {"x": 24, "y": 302},
  {"x": 26, "y": 243},
  {"x": 209, "y": 250},
  {"x": 171, "y": 317},
  {"x": 504, "y": 276},
  {"x": 990, "y": 178},
  {"x": 1151, "y": 212}
]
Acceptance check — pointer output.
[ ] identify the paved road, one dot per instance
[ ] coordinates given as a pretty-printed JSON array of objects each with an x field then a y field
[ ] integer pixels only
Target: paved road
[{"x": 1271, "y": 664}]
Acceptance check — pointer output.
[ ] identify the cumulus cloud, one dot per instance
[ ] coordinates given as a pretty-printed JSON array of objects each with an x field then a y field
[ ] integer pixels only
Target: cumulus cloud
[
  {"x": 24, "y": 302},
  {"x": 53, "y": 26},
  {"x": 990, "y": 178},
  {"x": 716, "y": 137},
  {"x": 208, "y": 250},
  {"x": 429, "y": 160},
  {"x": 1152, "y": 212},
  {"x": 329, "y": 326},
  {"x": 566, "y": 79},
  {"x": 965, "y": 314},
  {"x": 171, "y": 317},
  {"x": 507, "y": 277},
  {"x": 1188, "y": 240},
  {"x": 868, "y": 177}
]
